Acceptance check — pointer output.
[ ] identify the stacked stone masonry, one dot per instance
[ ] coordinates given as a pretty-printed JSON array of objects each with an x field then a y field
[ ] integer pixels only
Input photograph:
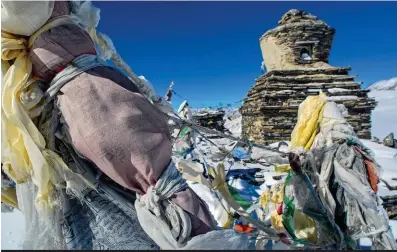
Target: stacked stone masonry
[
  {"x": 270, "y": 109},
  {"x": 212, "y": 120}
]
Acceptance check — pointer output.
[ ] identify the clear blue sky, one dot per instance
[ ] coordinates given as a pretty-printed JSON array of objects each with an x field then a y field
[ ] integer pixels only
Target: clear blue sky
[{"x": 211, "y": 49}]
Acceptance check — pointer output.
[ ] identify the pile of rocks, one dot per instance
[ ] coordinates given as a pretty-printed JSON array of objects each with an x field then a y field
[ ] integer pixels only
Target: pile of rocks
[
  {"x": 212, "y": 119},
  {"x": 390, "y": 205},
  {"x": 270, "y": 110},
  {"x": 389, "y": 141}
]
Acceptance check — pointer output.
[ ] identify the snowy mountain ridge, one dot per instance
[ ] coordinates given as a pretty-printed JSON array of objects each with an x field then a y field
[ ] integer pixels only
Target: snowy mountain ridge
[{"x": 384, "y": 85}]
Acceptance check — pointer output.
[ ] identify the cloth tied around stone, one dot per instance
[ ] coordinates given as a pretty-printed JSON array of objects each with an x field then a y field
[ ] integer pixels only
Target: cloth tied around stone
[{"x": 158, "y": 201}]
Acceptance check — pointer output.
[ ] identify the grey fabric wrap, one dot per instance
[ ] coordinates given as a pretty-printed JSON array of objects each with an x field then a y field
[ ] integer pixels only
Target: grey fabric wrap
[
  {"x": 169, "y": 226},
  {"x": 170, "y": 218},
  {"x": 104, "y": 218},
  {"x": 365, "y": 216},
  {"x": 79, "y": 65},
  {"x": 358, "y": 208}
]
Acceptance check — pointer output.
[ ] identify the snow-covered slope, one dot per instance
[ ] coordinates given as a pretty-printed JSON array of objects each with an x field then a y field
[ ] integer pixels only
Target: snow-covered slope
[
  {"x": 387, "y": 159},
  {"x": 12, "y": 230},
  {"x": 384, "y": 116},
  {"x": 384, "y": 121}
]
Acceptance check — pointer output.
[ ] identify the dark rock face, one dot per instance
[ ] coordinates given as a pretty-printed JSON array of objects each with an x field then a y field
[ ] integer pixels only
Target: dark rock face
[
  {"x": 270, "y": 109},
  {"x": 390, "y": 205}
]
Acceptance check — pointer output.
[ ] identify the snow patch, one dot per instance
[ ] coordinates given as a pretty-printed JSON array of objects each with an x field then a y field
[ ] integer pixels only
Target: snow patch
[
  {"x": 337, "y": 90},
  {"x": 234, "y": 126},
  {"x": 314, "y": 90},
  {"x": 393, "y": 226},
  {"x": 342, "y": 98},
  {"x": 386, "y": 157},
  {"x": 12, "y": 230},
  {"x": 288, "y": 91}
]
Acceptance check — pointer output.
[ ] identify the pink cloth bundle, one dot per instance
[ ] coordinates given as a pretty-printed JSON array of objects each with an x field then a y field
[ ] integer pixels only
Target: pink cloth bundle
[{"x": 109, "y": 121}]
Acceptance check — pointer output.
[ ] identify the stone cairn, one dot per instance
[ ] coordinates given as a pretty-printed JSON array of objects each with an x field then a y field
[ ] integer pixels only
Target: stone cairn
[{"x": 296, "y": 58}]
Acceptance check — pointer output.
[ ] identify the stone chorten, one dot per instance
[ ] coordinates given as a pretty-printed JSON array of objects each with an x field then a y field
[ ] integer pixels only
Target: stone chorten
[{"x": 295, "y": 54}]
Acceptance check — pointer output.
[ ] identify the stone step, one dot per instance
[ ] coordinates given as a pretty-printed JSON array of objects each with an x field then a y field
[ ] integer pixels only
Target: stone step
[
  {"x": 290, "y": 94},
  {"x": 296, "y": 72},
  {"x": 279, "y": 86},
  {"x": 309, "y": 78}
]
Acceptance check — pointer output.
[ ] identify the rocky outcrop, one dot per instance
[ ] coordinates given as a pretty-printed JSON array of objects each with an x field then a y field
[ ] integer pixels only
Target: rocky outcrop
[
  {"x": 296, "y": 69},
  {"x": 390, "y": 205},
  {"x": 212, "y": 120}
]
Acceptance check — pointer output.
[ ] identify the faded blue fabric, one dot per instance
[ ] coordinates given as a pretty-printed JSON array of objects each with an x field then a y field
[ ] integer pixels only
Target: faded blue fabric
[
  {"x": 242, "y": 172},
  {"x": 239, "y": 153}
]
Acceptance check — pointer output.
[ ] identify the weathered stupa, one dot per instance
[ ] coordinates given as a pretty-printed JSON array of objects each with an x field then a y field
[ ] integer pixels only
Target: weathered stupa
[{"x": 296, "y": 58}]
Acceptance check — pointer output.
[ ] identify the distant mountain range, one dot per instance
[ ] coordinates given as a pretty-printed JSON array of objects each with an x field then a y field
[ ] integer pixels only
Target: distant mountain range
[{"x": 384, "y": 85}]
